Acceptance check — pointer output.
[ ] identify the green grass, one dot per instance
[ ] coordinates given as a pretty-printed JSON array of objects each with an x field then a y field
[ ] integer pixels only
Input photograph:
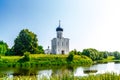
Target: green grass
[
  {"x": 10, "y": 58},
  {"x": 108, "y": 59},
  {"x": 43, "y": 60}
]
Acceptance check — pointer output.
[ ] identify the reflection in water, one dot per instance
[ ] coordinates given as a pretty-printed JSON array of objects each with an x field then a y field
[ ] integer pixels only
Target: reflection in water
[
  {"x": 22, "y": 71},
  {"x": 10, "y": 76},
  {"x": 101, "y": 68},
  {"x": 44, "y": 73},
  {"x": 110, "y": 67},
  {"x": 76, "y": 71},
  {"x": 79, "y": 72}
]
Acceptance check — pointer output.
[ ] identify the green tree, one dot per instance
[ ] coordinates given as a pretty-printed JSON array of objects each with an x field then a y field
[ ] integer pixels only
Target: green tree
[
  {"x": 105, "y": 54},
  {"x": 26, "y": 41},
  {"x": 9, "y": 52},
  {"x": 100, "y": 56},
  {"x": 3, "y": 48},
  {"x": 116, "y": 55},
  {"x": 92, "y": 53},
  {"x": 41, "y": 50}
]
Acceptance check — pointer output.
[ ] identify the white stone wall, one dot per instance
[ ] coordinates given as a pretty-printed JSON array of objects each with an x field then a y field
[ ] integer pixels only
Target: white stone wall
[
  {"x": 59, "y": 45},
  {"x": 53, "y": 46}
]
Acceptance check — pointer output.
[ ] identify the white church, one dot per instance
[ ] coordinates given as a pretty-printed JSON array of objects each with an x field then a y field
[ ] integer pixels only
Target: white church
[{"x": 59, "y": 45}]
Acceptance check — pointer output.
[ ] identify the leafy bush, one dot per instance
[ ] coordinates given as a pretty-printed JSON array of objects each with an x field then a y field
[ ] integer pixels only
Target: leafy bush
[{"x": 25, "y": 58}]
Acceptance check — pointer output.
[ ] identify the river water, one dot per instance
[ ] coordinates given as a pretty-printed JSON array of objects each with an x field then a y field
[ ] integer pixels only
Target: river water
[{"x": 76, "y": 71}]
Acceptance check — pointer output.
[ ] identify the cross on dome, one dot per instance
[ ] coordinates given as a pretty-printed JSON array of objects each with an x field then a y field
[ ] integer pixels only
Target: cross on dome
[{"x": 59, "y": 23}]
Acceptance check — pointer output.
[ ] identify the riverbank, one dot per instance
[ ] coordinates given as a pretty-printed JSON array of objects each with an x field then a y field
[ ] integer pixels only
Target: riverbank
[{"x": 43, "y": 60}]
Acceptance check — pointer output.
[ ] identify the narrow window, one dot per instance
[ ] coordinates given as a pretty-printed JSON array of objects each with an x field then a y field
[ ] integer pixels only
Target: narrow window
[
  {"x": 62, "y": 44},
  {"x": 58, "y": 43}
]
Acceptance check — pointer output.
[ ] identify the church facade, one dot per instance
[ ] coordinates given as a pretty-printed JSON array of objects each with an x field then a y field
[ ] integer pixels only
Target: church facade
[{"x": 60, "y": 45}]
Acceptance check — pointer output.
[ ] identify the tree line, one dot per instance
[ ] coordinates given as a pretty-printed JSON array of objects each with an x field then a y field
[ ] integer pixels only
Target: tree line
[{"x": 95, "y": 54}]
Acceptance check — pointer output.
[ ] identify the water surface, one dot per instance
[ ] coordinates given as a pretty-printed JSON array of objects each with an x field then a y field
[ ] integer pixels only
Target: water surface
[{"x": 46, "y": 71}]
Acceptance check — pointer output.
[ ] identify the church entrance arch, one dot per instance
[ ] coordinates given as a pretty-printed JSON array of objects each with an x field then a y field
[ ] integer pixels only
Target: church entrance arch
[{"x": 63, "y": 52}]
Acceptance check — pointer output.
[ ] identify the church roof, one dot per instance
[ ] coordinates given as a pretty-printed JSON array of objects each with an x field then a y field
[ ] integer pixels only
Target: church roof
[{"x": 59, "y": 29}]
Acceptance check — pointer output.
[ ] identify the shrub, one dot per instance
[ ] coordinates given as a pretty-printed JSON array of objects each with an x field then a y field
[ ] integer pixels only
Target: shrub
[
  {"x": 26, "y": 57},
  {"x": 70, "y": 57}
]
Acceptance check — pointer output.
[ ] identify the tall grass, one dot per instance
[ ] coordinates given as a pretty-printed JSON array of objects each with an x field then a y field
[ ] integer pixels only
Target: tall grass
[{"x": 106, "y": 76}]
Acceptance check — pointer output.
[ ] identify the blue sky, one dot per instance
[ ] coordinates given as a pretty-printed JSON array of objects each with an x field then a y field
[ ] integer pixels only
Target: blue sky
[{"x": 87, "y": 23}]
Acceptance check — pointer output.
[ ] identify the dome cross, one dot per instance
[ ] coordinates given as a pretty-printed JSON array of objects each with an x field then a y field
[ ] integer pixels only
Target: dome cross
[{"x": 59, "y": 23}]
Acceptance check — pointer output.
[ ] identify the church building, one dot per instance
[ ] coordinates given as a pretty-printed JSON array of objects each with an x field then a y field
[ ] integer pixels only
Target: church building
[{"x": 60, "y": 45}]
